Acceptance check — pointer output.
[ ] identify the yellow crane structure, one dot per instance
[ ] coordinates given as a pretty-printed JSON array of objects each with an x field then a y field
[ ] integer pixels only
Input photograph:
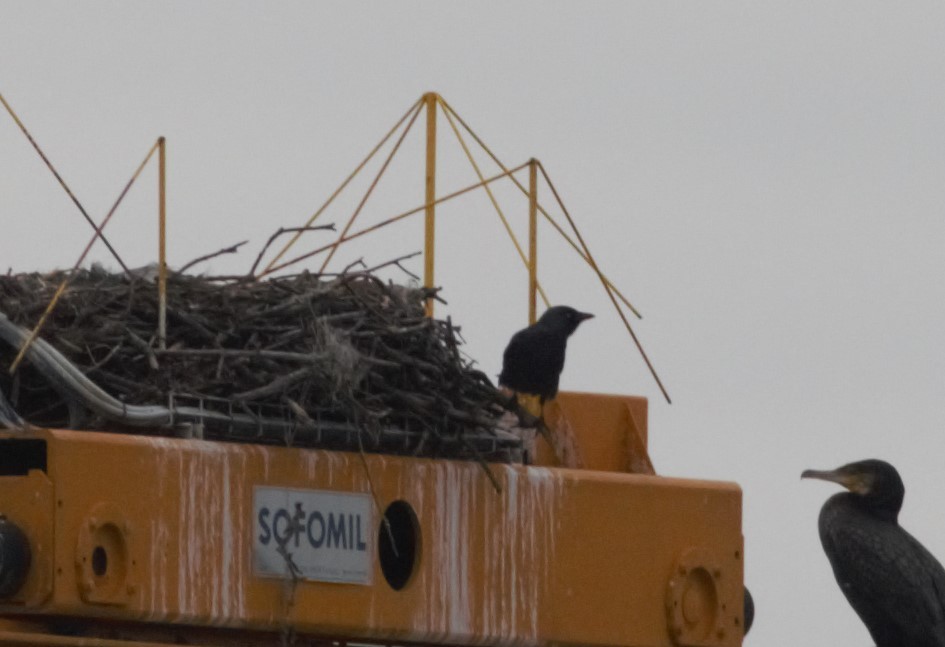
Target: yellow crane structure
[{"x": 115, "y": 539}]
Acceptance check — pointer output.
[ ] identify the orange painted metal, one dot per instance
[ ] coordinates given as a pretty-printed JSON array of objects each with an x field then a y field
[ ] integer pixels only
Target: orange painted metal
[{"x": 595, "y": 556}]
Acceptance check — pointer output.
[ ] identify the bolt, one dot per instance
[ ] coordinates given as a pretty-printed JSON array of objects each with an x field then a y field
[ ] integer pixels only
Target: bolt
[
  {"x": 717, "y": 573},
  {"x": 720, "y": 633},
  {"x": 131, "y": 589}
]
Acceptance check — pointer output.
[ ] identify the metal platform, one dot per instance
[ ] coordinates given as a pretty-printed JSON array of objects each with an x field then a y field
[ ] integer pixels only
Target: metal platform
[{"x": 196, "y": 536}]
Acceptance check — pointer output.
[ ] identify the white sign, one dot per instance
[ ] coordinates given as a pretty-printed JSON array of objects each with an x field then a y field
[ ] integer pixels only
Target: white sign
[{"x": 322, "y": 535}]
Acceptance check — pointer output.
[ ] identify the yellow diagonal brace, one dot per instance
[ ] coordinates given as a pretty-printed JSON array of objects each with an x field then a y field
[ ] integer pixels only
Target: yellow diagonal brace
[
  {"x": 370, "y": 189},
  {"x": 389, "y": 221},
  {"x": 62, "y": 182},
  {"x": 341, "y": 188},
  {"x": 610, "y": 291},
  {"x": 495, "y": 203},
  {"x": 65, "y": 281},
  {"x": 541, "y": 209}
]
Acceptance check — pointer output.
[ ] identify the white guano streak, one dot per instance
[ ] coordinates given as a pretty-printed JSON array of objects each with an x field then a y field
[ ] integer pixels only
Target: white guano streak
[
  {"x": 516, "y": 531},
  {"x": 210, "y": 532}
]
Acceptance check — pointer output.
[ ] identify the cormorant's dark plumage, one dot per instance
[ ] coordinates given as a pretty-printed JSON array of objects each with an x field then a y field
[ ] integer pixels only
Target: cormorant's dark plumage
[
  {"x": 534, "y": 358},
  {"x": 892, "y": 582}
]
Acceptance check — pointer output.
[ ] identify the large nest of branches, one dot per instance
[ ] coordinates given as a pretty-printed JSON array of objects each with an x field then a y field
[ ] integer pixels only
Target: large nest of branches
[{"x": 343, "y": 361}]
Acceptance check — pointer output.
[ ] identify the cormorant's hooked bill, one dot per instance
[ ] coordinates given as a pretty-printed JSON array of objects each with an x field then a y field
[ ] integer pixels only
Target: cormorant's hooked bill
[
  {"x": 533, "y": 360},
  {"x": 892, "y": 582}
]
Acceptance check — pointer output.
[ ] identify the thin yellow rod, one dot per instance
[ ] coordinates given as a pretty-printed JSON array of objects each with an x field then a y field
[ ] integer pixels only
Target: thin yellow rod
[
  {"x": 65, "y": 281},
  {"x": 541, "y": 209},
  {"x": 162, "y": 244},
  {"x": 532, "y": 240},
  {"x": 341, "y": 188},
  {"x": 389, "y": 221},
  {"x": 610, "y": 291},
  {"x": 495, "y": 203},
  {"x": 62, "y": 182},
  {"x": 429, "y": 220},
  {"x": 39, "y": 325},
  {"x": 370, "y": 189}
]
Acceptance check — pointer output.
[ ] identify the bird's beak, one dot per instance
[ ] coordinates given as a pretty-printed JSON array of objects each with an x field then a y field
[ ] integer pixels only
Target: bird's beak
[
  {"x": 585, "y": 315},
  {"x": 851, "y": 481}
]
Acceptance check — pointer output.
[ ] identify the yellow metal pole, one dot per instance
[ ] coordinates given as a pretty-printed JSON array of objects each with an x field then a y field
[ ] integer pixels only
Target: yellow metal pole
[
  {"x": 532, "y": 240},
  {"x": 430, "y": 99},
  {"x": 162, "y": 244}
]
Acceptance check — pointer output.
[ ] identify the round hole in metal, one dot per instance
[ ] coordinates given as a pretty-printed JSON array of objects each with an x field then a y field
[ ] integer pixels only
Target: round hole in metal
[{"x": 398, "y": 542}]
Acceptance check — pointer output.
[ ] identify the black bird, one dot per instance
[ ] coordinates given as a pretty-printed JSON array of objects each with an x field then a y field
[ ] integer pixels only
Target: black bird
[
  {"x": 892, "y": 582},
  {"x": 534, "y": 358}
]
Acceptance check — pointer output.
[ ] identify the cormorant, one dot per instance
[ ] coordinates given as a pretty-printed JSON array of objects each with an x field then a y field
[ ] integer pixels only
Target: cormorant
[
  {"x": 892, "y": 582},
  {"x": 534, "y": 358}
]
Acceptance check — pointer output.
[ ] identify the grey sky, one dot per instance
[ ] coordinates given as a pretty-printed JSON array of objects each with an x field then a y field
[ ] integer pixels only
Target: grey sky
[{"x": 763, "y": 180}]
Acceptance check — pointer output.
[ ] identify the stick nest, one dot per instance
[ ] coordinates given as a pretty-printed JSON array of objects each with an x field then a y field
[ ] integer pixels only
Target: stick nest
[{"x": 344, "y": 361}]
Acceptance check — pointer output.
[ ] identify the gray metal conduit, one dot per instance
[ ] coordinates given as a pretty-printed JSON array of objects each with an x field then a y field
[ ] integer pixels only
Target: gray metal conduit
[
  {"x": 72, "y": 384},
  {"x": 8, "y": 416}
]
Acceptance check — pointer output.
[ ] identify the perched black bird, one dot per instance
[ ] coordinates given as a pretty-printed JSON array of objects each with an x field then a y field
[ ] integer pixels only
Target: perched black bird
[
  {"x": 892, "y": 582},
  {"x": 534, "y": 358}
]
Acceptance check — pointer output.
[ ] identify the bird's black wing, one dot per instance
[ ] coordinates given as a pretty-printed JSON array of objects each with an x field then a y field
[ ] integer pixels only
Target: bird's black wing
[
  {"x": 533, "y": 361},
  {"x": 893, "y": 583}
]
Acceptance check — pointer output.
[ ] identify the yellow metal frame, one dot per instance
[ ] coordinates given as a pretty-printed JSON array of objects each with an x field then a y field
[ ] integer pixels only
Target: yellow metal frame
[{"x": 429, "y": 104}]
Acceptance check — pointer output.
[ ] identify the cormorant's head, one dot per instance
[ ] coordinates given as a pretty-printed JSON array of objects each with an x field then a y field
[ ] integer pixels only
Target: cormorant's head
[
  {"x": 564, "y": 318},
  {"x": 876, "y": 481}
]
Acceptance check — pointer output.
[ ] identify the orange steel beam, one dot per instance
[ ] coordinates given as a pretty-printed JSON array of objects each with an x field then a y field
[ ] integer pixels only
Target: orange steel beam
[
  {"x": 163, "y": 532},
  {"x": 430, "y": 100}
]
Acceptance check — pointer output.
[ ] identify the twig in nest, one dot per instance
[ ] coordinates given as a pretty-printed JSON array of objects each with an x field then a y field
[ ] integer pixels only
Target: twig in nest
[
  {"x": 377, "y": 502},
  {"x": 347, "y": 352},
  {"x": 397, "y": 262},
  {"x": 485, "y": 466},
  {"x": 232, "y": 249},
  {"x": 279, "y": 232}
]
